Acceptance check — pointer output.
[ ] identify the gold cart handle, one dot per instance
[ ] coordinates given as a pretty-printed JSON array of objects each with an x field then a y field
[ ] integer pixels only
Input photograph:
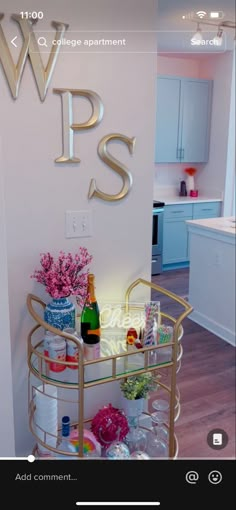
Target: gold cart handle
[{"x": 166, "y": 292}]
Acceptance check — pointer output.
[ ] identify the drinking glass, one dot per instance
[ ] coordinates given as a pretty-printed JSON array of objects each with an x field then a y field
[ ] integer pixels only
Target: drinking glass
[
  {"x": 161, "y": 405},
  {"x": 157, "y": 440},
  {"x": 136, "y": 439}
]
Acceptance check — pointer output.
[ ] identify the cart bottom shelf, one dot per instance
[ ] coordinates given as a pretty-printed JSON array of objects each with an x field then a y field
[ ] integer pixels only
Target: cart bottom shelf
[{"x": 54, "y": 456}]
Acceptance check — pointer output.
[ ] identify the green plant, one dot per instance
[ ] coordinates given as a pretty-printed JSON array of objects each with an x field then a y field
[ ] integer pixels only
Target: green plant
[{"x": 137, "y": 386}]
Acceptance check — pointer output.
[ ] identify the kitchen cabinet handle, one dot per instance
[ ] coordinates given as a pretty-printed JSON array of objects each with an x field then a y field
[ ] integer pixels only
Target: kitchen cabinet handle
[
  {"x": 182, "y": 153},
  {"x": 178, "y": 153},
  {"x": 176, "y": 212},
  {"x": 209, "y": 209}
]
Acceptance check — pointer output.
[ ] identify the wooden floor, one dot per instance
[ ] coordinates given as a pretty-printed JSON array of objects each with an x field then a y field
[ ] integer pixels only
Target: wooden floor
[{"x": 206, "y": 380}]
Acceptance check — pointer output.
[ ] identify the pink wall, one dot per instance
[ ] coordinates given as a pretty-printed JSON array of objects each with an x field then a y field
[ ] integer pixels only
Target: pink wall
[{"x": 179, "y": 66}]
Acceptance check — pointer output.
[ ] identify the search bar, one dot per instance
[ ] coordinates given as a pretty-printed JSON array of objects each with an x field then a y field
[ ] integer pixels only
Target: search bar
[
  {"x": 95, "y": 42},
  {"x": 136, "y": 41}
]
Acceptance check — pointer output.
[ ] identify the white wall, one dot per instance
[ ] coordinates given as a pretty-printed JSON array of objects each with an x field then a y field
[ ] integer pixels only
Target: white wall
[
  {"x": 38, "y": 192},
  {"x": 219, "y": 69},
  {"x": 7, "y": 440},
  {"x": 229, "y": 196}
]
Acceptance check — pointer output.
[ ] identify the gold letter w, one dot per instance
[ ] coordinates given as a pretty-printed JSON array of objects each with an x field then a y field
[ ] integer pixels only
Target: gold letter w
[{"x": 30, "y": 47}]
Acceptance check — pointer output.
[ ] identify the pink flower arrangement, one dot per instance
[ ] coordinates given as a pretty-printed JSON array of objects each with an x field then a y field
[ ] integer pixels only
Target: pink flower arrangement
[
  {"x": 65, "y": 275},
  {"x": 109, "y": 424}
]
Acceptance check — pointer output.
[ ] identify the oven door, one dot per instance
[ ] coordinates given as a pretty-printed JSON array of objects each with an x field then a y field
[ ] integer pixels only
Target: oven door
[{"x": 157, "y": 231}]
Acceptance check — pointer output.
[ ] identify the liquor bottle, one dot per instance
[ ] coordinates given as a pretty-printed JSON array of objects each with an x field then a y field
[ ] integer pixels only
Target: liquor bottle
[
  {"x": 183, "y": 189},
  {"x": 90, "y": 323},
  {"x": 64, "y": 444}
]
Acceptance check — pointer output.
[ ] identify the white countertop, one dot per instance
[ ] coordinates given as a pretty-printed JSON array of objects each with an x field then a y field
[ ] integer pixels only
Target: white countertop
[
  {"x": 171, "y": 200},
  {"x": 223, "y": 225}
]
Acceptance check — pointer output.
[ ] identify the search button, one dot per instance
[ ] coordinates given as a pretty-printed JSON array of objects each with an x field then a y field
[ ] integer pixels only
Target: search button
[
  {"x": 42, "y": 41},
  {"x": 192, "y": 477}
]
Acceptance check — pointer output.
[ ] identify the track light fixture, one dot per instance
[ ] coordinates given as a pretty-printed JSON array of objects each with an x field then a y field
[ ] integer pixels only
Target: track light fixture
[
  {"x": 218, "y": 39},
  {"x": 197, "y": 37}
]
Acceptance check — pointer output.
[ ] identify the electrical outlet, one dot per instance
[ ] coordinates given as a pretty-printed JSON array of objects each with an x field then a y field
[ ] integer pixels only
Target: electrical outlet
[{"x": 78, "y": 224}]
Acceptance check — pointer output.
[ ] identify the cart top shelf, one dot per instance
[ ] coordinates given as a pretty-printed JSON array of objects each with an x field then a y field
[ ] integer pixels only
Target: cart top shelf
[{"x": 115, "y": 361}]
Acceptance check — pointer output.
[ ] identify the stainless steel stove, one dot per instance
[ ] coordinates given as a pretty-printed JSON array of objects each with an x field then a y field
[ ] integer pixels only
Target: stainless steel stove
[{"x": 157, "y": 236}]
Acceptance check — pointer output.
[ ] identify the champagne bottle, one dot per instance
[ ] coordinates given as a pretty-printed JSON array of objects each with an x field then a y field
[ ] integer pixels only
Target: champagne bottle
[{"x": 90, "y": 323}]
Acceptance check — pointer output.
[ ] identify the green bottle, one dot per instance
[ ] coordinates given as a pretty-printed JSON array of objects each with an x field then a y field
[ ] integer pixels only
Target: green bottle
[{"x": 90, "y": 323}]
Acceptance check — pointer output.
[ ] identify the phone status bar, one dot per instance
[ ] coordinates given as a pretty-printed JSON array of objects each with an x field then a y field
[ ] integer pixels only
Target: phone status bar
[{"x": 200, "y": 15}]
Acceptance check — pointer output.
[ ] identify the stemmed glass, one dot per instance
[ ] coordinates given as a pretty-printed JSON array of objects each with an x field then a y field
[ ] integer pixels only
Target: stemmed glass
[
  {"x": 157, "y": 440},
  {"x": 161, "y": 403},
  {"x": 163, "y": 407},
  {"x": 136, "y": 439}
]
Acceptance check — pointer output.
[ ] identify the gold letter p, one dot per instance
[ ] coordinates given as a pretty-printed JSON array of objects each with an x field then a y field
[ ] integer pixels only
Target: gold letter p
[{"x": 68, "y": 127}]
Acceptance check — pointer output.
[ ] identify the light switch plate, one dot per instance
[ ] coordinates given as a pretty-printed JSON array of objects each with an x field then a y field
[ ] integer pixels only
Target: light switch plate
[{"x": 78, "y": 224}]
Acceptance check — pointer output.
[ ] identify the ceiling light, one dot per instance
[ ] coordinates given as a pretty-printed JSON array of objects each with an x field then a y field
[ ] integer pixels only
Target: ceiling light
[
  {"x": 218, "y": 39},
  {"x": 197, "y": 37}
]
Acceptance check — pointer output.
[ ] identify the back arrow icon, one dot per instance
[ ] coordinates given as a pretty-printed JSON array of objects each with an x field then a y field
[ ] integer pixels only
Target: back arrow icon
[{"x": 12, "y": 41}]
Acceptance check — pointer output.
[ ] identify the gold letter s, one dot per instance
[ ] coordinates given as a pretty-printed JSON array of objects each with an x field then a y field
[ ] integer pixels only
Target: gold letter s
[{"x": 115, "y": 165}]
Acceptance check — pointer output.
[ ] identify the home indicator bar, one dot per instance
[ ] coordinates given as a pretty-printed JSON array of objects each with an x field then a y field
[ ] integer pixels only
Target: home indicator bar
[{"x": 118, "y": 503}]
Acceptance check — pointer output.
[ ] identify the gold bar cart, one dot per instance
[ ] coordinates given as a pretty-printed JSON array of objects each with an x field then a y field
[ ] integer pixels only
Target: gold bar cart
[{"x": 38, "y": 365}]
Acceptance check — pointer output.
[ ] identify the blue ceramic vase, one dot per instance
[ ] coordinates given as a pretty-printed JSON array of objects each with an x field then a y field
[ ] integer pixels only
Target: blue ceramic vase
[{"x": 60, "y": 313}]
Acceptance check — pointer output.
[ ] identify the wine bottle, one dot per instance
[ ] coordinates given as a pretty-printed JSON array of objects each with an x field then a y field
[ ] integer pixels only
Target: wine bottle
[{"x": 90, "y": 323}]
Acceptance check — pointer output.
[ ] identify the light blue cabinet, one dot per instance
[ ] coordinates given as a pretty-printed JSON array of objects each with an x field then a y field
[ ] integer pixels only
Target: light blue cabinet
[
  {"x": 206, "y": 210},
  {"x": 175, "y": 242},
  {"x": 167, "y": 120},
  {"x": 183, "y": 114},
  {"x": 175, "y": 234}
]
